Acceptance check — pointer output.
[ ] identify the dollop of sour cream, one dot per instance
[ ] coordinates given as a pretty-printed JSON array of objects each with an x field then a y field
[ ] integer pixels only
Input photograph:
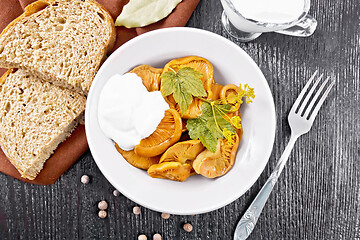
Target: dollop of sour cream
[{"x": 127, "y": 112}]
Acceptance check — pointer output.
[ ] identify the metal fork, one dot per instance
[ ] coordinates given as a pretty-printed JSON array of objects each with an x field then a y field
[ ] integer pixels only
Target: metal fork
[{"x": 301, "y": 118}]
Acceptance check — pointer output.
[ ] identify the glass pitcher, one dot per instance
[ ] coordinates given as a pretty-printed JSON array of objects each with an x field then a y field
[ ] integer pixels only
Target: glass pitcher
[{"x": 245, "y": 20}]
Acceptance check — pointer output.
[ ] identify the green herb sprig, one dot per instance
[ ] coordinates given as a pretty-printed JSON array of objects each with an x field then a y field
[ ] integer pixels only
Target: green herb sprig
[
  {"x": 184, "y": 85},
  {"x": 214, "y": 123}
]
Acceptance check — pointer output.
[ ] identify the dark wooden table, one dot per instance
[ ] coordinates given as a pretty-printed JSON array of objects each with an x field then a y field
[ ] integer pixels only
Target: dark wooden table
[{"x": 317, "y": 196}]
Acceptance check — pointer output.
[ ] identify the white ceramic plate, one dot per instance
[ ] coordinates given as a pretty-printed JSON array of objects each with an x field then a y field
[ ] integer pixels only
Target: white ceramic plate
[{"x": 197, "y": 194}]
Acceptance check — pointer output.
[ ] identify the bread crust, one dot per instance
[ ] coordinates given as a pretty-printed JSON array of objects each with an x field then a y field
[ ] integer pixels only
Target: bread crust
[
  {"x": 41, "y": 4},
  {"x": 33, "y": 167},
  {"x": 30, "y": 10}
]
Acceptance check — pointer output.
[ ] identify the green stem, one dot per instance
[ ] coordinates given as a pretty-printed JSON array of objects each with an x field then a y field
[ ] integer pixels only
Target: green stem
[
  {"x": 172, "y": 70},
  {"x": 214, "y": 115}
]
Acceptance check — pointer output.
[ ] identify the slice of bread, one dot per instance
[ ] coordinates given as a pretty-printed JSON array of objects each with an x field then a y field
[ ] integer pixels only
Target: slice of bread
[
  {"x": 61, "y": 41},
  {"x": 35, "y": 117}
]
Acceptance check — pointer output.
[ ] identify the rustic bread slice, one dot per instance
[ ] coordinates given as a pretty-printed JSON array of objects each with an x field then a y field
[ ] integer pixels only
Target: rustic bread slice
[
  {"x": 60, "y": 41},
  {"x": 35, "y": 117}
]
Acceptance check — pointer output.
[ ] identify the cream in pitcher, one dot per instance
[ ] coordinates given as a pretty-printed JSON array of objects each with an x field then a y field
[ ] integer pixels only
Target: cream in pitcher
[
  {"x": 274, "y": 11},
  {"x": 257, "y": 16}
]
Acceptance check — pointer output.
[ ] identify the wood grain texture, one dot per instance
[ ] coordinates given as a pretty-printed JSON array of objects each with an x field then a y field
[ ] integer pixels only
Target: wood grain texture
[{"x": 318, "y": 193}]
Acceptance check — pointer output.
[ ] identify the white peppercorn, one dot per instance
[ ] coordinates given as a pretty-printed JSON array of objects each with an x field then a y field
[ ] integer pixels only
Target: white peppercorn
[
  {"x": 165, "y": 215},
  {"x": 142, "y": 237},
  {"x": 136, "y": 210},
  {"x": 116, "y": 193},
  {"x": 103, "y": 205},
  {"x": 157, "y": 236},
  {"x": 102, "y": 214},
  {"x": 85, "y": 179},
  {"x": 188, "y": 227}
]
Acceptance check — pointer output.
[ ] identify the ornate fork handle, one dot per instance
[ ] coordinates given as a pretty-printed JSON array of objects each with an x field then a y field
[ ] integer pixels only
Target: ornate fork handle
[
  {"x": 249, "y": 219},
  {"x": 300, "y": 118}
]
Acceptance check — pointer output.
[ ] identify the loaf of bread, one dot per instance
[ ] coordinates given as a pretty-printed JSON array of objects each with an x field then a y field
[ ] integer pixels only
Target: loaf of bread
[
  {"x": 60, "y": 41},
  {"x": 35, "y": 117}
]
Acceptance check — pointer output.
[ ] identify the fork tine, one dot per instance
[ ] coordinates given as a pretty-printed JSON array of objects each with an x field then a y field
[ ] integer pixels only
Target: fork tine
[
  {"x": 297, "y": 101},
  {"x": 321, "y": 101},
  {"x": 315, "y": 98},
  {"x": 308, "y": 95}
]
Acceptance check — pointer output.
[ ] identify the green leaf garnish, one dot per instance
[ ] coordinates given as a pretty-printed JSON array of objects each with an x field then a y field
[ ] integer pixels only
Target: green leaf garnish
[
  {"x": 214, "y": 123},
  {"x": 184, "y": 85},
  {"x": 210, "y": 125},
  {"x": 198, "y": 129}
]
